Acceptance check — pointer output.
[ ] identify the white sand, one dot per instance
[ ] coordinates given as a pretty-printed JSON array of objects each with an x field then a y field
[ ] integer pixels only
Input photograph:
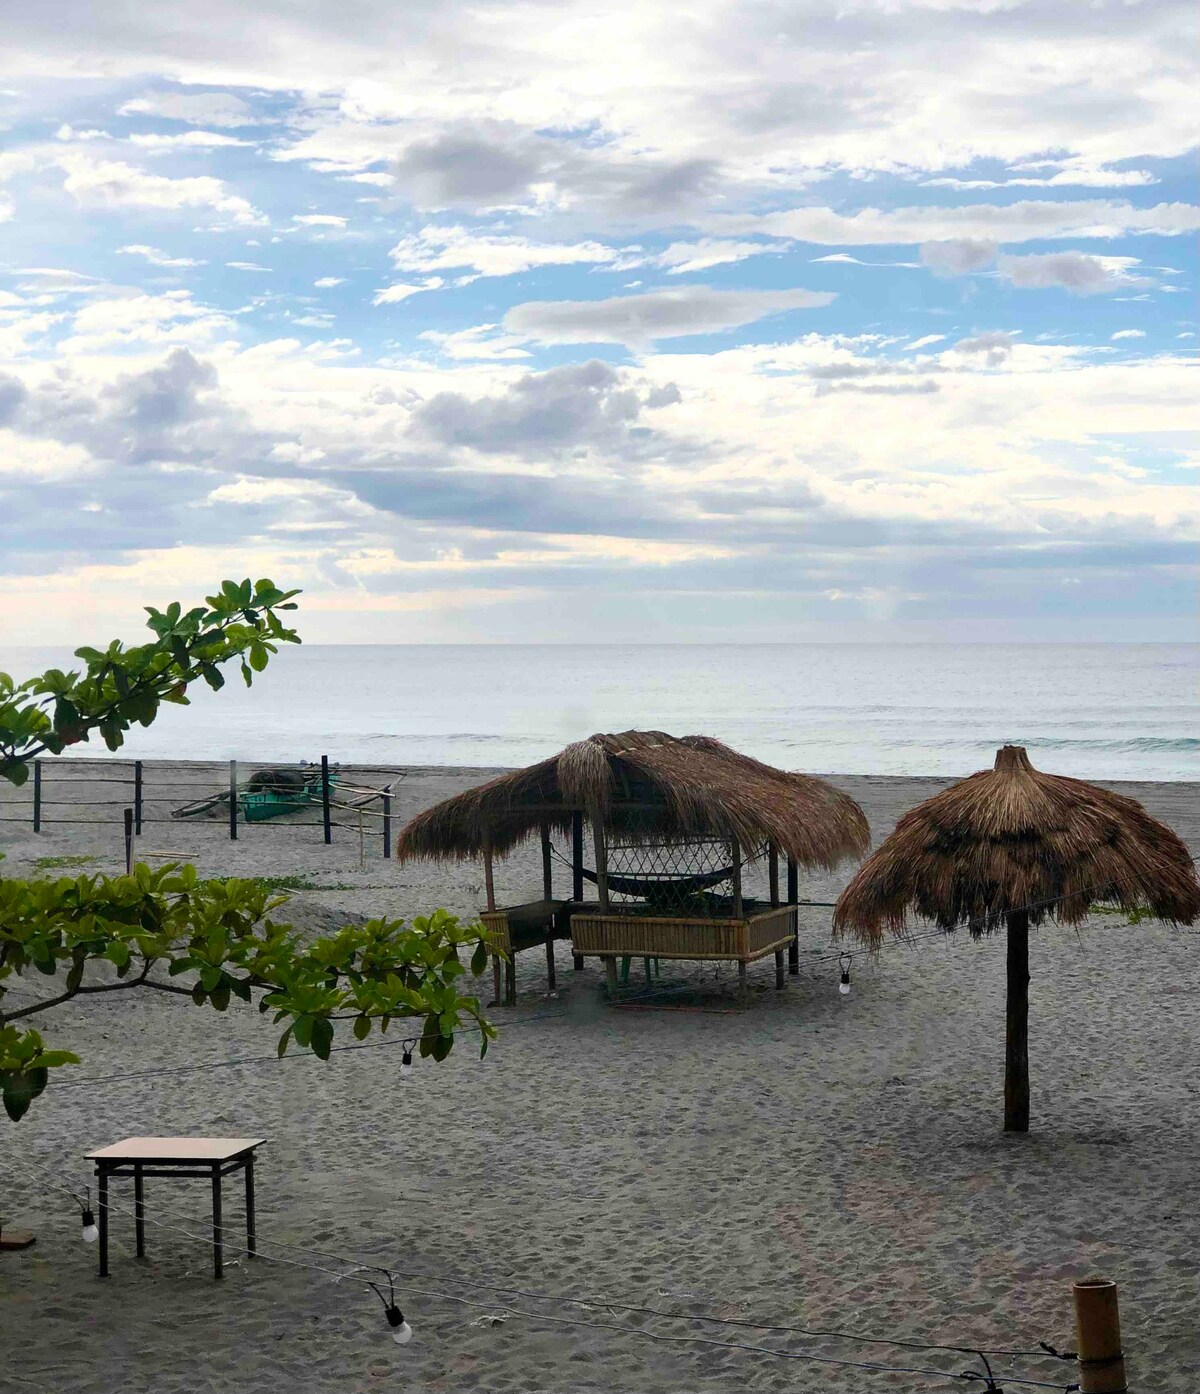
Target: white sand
[{"x": 809, "y": 1160}]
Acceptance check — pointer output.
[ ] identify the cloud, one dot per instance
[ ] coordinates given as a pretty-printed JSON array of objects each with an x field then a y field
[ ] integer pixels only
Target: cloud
[
  {"x": 1077, "y": 272},
  {"x": 196, "y": 108},
  {"x": 328, "y": 282},
  {"x": 1031, "y": 220},
  {"x": 401, "y": 291},
  {"x": 582, "y": 404},
  {"x": 186, "y": 140},
  {"x": 1130, "y": 334},
  {"x": 958, "y": 256},
  {"x": 637, "y": 320},
  {"x": 490, "y": 254},
  {"x": 157, "y": 258},
  {"x": 681, "y": 258},
  {"x": 925, "y": 340},
  {"x": 113, "y": 184},
  {"x": 994, "y": 345},
  {"x": 320, "y": 220},
  {"x": 246, "y": 266}
]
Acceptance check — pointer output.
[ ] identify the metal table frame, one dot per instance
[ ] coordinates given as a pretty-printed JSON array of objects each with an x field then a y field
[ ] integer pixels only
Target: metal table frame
[{"x": 139, "y": 1168}]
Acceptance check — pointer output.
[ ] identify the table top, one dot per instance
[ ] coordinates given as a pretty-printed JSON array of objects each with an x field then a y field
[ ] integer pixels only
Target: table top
[{"x": 175, "y": 1149}]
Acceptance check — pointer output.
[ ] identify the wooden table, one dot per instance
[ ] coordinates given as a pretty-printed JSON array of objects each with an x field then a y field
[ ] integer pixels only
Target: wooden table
[{"x": 139, "y": 1157}]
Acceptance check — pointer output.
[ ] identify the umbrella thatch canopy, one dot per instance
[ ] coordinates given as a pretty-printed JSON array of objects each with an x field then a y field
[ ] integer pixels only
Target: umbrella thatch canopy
[
  {"x": 648, "y": 786},
  {"x": 1012, "y": 845}
]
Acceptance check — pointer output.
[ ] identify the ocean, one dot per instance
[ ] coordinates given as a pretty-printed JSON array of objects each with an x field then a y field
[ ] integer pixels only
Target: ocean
[{"x": 1107, "y": 711}]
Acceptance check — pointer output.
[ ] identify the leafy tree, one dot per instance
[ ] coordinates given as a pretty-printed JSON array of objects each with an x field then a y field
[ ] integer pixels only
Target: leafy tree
[{"x": 153, "y": 926}]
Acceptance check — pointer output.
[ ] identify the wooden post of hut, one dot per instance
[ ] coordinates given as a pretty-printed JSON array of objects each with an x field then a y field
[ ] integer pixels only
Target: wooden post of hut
[
  {"x": 773, "y": 883},
  {"x": 548, "y": 895},
  {"x": 736, "y": 858},
  {"x": 1098, "y": 1337},
  {"x": 793, "y": 898},
  {"x": 610, "y": 963},
  {"x": 577, "y": 872},
  {"x": 489, "y": 886}
]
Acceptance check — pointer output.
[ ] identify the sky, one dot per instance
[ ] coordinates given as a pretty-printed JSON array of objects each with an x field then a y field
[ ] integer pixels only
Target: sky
[{"x": 532, "y": 321}]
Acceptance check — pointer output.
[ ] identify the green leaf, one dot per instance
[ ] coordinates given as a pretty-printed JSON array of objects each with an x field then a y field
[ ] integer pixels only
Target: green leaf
[
  {"x": 322, "y": 1037},
  {"x": 479, "y": 958},
  {"x": 362, "y": 1027}
]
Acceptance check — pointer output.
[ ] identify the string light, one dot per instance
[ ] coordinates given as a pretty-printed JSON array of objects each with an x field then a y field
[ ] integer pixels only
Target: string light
[
  {"x": 406, "y": 1060},
  {"x": 844, "y": 962},
  {"x": 91, "y": 1231}
]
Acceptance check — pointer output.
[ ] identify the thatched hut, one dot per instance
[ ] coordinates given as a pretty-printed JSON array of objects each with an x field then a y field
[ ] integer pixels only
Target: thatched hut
[
  {"x": 1012, "y": 846},
  {"x": 674, "y": 821}
]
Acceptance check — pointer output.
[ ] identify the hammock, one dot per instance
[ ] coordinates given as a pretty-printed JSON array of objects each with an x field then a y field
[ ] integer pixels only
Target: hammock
[{"x": 655, "y": 887}]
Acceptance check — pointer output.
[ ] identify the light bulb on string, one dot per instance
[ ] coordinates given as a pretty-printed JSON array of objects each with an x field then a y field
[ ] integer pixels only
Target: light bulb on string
[
  {"x": 406, "y": 1063},
  {"x": 844, "y": 963},
  {"x": 90, "y": 1231},
  {"x": 401, "y": 1331}
]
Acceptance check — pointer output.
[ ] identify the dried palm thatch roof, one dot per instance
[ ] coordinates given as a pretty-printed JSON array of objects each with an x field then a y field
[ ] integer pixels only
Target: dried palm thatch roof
[
  {"x": 647, "y": 786},
  {"x": 1012, "y": 837}
]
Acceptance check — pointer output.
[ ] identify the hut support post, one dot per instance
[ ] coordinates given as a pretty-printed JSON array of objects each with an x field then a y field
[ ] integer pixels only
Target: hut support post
[
  {"x": 137, "y": 798},
  {"x": 489, "y": 882},
  {"x": 1016, "y": 1038},
  {"x": 233, "y": 800},
  {"x": 37, "y": 796},
  {"x": 577, "y": 873},
  {"x": 793, "y": 898},
  {"x": 736, "y": 858},
  {"x": 601, "y": 864},
  {"x": 387, "y": 820},
  {"x": 326, "y": 818},
  {"x": 548, "y": 894},
  {"x": 773, "y": 882}
]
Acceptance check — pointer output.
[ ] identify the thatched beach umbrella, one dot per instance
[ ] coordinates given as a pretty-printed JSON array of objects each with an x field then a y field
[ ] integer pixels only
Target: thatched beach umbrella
[{"x": 1014, "y": 846}]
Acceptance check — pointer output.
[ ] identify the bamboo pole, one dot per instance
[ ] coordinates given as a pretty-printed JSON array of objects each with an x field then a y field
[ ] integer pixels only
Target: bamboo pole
[
  {"x": 601, "y": 863},
  {"x": 1016, "y": 1026},
  {"x": 1098, "y": 1337},
  {"x": 233, "y": 800},
  {"x": 793, "y": 897},
  {"x": 736, "y": 856},
  {"x": 547, "y": 865},
  {"x": 128, "y": 841},
  {"x": 325, "y": 818},
  {"x": 489, "y": 885},
  {"x": 773, "y": 873},
  {"x": 387, "y": 820},
  {"x": 137, "y": 797},
  {"x": 37, "y": 796},
  {"x": 577, "y": 873}
]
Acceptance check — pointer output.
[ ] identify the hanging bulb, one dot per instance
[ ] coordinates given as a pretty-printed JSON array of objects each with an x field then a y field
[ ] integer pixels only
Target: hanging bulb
[
  {"x": 844, "y": 964},
  {"x": 90, "y": 1231},
  {"x": 406, "y": 1065},
  {"x": 401, "y": 1331}
]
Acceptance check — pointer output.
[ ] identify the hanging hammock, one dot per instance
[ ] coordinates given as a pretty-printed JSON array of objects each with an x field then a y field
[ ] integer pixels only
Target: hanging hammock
[{"x": 655, "y": 887}]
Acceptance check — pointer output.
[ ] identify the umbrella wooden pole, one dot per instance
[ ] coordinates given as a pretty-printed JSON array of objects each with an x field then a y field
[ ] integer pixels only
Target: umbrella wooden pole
[
  {"x": 1098, "y": 1337},
  {"x": 577, "y": 872},
  {"x": 1016, "y": 1035},
  {"x": 548, "y": 894}
]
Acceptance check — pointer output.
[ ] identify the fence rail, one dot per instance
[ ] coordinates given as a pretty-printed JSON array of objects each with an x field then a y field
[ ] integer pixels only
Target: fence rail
[{"x": 222, "y": 793}]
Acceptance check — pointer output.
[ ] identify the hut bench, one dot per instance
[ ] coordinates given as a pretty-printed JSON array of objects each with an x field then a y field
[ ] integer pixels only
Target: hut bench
[
  {"x": 512, "y": 928},
  {"x": 759, "y": 931}
]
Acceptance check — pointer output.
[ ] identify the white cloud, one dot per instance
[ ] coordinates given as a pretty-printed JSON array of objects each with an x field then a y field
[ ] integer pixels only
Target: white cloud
[
  {"x": 450, "y": 248},
  {"x": 925, "y": 341},
  {"x": 1031, "y": 220},
  {"x": 157, "y": 258},
  {"x": 394, "y": 294},
  {"x": 1077, "y": 272},
  {"x": 680, "y": 258},
  {"x": 637, "y": 320},
  {"x": 320, "y": 220},
  {"x": 196, "y": 108},
  {"x": 328, "y": 282},
  {"x": 113, "y": 184},
  {"x": 186, "y": 140},
  {"x": 1129, "y": 334},
  {"x": 246, "y": 266}
]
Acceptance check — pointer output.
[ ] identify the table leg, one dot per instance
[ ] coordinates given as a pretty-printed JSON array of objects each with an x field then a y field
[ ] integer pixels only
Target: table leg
[
  {"x": 139, "y": 1210},
  {"x": 551, "y": 984},
  {"x": 577, "y": 962},
  {"x": 610, "y": 974},
  {"x": 216, "y": 1199},
  {"x": 778, "y": 967},
  {"x": 251, "y": 1233},
  {"x": 496, "y": 978},
  {"x": 102, "y": 1216}
]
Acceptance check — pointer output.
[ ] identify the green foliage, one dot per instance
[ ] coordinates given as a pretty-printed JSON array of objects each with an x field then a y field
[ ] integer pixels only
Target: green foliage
[
  {"x": 119, "y": 686},
  {"x": 153, "y": 927},
  {"x": 156, "y": 926},
  {"x": 54, "y": 863}
]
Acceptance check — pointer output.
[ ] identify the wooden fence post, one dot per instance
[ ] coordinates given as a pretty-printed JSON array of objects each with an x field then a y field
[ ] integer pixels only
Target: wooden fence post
[
  {"x": 233, "y": 800},
  {"x": 387, "y": 820},
  {"x": 137, "y": 797},
  {"x": 1098, "y": 1337},
  {"x": 37, "y": 796},
  {"x": 128, "y": 841},
  {"x": 325, "y": 799}
]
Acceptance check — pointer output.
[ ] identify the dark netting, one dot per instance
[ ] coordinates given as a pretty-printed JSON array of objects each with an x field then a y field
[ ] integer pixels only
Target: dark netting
[{"x": 685, "y": 877}]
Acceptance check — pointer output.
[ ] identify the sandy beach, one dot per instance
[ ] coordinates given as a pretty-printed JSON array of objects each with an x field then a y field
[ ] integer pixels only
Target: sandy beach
[{"x": 809, "y": 1160}]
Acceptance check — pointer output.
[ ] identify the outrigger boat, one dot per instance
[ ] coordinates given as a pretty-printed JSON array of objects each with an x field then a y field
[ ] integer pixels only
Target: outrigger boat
[{"x": 268, "y": 793}]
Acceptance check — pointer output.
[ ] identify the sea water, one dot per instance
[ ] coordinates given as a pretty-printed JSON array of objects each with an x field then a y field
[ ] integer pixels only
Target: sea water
[{"x": 1115, "y": 711}]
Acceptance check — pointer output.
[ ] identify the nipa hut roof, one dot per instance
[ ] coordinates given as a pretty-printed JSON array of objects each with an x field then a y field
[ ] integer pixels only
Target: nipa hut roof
[
  {"x": 648, "y": 786},
  {"x": 1012, "y": 837}
]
